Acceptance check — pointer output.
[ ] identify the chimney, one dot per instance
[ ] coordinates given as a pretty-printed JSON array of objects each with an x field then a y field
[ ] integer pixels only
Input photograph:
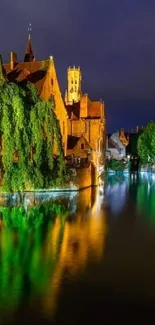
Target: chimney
[{"x": 13, "y": 60}]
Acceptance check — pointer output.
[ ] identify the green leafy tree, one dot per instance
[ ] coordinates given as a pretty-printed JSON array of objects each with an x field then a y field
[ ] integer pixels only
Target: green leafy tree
[
  {"x": 132, "y": 147},
  {"x": 117, "y": 165},
  {"x": 30, "y": 130},
  {"x": 146, "y": 144}
]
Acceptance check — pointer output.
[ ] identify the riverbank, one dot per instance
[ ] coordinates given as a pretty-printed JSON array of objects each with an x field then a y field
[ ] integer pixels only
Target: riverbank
[{"x": 82, "y": 178}]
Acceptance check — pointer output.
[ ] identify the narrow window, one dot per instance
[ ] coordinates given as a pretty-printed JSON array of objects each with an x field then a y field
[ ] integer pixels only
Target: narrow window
[
  {"x": 82, "y": 146},
  {"x": 63, "y": 128}
]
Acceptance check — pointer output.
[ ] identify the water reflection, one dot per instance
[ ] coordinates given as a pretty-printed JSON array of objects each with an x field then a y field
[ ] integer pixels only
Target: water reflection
[
  {"x": 133, "y": 190},
  {"x": 82, "y": 242},
  {"x": 116, "y": 191},
  {"x": 144, "y": 195},
  {"x": 43, "y": 244}
]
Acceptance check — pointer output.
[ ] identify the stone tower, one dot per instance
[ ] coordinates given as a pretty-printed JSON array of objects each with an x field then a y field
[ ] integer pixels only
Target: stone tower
[{"x": 73, "y": 92}]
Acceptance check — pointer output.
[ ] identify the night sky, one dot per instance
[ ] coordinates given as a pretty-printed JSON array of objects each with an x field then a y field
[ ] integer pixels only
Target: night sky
[{"x": 113, "y": 41}]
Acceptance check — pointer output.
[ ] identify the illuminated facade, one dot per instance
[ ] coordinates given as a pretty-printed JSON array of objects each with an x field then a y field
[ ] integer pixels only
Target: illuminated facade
[
  {"x": 73, "y": 92},
  {"x": 79, "y": 117},
  {"x": 86, "y": 120}
]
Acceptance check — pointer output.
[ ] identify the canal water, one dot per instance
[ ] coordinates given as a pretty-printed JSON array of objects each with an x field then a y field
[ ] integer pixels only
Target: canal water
[{"x": 78, "y": 258}]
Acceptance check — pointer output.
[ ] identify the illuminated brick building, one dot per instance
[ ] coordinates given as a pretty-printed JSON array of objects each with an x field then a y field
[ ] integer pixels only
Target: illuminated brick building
[
  {"x": 82, "y": 121},
  {"x": 86, "y": 120}
]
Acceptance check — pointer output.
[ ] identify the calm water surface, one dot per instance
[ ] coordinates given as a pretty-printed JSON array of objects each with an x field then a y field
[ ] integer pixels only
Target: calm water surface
[{"x": 82, "y": 257}]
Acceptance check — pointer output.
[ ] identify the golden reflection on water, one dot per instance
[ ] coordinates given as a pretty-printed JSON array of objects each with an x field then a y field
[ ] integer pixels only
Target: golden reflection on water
[
  {"x": 33, "y": 265},
  {"x": 83, "y": 242}
]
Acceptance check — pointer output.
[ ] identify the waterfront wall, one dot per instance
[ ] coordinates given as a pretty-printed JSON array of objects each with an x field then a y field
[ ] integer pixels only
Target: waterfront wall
[{"x": 85, "y": 177}]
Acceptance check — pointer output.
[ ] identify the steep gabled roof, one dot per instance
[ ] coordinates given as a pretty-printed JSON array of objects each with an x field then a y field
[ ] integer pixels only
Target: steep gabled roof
[
  {"x": 34, "y": 72},
  {"x": 72, "y": 141},
  {"x": 112, "y": 144},
  {"x": 73, "y": 110}
]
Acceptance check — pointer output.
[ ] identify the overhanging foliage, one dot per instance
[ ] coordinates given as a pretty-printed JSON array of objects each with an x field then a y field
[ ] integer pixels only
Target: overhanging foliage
[{"x": 29, "y": 128}]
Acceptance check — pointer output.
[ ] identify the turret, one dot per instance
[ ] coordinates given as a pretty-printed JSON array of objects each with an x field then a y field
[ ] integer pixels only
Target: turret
[{"x": 73, "y": 93}]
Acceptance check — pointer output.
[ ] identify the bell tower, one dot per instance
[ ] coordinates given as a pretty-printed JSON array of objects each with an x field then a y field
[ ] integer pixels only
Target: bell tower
[{"x": 73, "y": 92}]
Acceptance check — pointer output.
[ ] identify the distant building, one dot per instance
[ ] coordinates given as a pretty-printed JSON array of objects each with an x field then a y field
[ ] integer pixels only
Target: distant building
[
  {"x": 124, "y": 137},
  {"x": 116, "y": 145}
]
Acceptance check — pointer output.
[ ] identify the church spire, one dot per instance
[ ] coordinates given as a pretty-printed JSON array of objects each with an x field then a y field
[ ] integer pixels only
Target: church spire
[{"x": 29, "y": 57}]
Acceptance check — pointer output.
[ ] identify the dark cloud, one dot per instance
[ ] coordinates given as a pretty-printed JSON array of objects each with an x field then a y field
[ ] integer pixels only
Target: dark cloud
[{"x": 113, "y": 42}]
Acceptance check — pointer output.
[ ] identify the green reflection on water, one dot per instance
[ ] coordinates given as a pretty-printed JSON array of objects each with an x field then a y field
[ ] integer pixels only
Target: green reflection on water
[
  {"x": 146, "y": 196},
  {"x": 117, "y": 177},
  {"x": 141, "y": 190},
  {"x": 23, "y": 262},
  {"x": 39, "y": 244}
]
